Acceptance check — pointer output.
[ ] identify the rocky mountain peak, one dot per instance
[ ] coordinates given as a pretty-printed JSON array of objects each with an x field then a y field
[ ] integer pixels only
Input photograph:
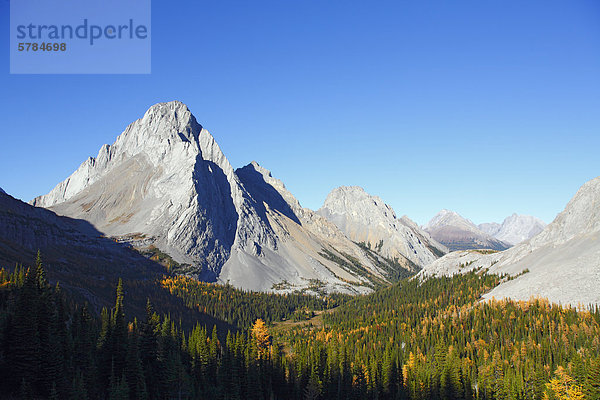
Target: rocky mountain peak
[
  {"x": 514, "y": 229},
  {"x": 368, "y": 219},
  {"x": 269, "y": 190},
  {"x": 448, "y": 217},
  {"x": 459, "y": 233},
  {"x": 356, "y": 200}
]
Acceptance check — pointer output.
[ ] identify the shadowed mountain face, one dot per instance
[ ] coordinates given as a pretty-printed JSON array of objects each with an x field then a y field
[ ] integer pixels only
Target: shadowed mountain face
[
  {"x": 83, "y": 261},
  {"x": 166, "y": 183},
  {"x": 458, "y": 233},
  {"x": 263, "y": 193}
]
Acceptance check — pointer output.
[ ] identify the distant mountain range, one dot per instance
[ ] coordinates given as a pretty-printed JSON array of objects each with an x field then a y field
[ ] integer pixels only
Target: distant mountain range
[
  {"x": 459, "y": 233},
  {"x": 514, "y": 229},
  {"x": 561, "y": 263}
]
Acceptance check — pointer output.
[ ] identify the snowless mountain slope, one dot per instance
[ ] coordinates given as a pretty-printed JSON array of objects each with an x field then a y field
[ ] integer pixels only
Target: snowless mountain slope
[
  {"x": 490, "y": 228},
  {"x": 561, "y": 263},
  {"x": 514, "y": 229},
  {"x": 73, "y": 252},
  {"x": 367, "y": 219},
  {"x": 165, "y": 182},
  {"x": 458, "y": 233},
  {"x": 165, "y": 178}
]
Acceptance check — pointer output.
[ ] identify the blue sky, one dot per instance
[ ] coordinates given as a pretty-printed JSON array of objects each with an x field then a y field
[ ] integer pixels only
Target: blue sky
[{"x": 485, "y": 108}]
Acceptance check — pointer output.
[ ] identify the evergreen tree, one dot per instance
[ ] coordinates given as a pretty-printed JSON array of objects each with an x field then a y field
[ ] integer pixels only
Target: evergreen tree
[{"x": 592, "y": 382}]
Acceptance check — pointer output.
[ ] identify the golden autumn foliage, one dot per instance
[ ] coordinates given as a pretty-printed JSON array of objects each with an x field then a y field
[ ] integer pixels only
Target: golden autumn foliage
[
  {"x": 262, "y": 338},
  {"x": 563, "y": 387}
]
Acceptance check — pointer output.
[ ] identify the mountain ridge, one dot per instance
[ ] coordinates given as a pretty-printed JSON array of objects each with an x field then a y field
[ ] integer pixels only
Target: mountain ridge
[
  {"x": 368, "y": 219},
  {"x": 459, "y": 233},
  {"x": 514, "y": 229},
  {"x": 165, "y": 182}
]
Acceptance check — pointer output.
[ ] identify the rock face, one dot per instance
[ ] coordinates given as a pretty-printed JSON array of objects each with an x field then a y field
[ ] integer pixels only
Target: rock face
[
  {"x": 367, "y": 219},
  {"x": 164, "y": 177},
  {"x": 561, "y": 263},
  {"x": 514, "y": 229},
  {"x": 166, "y": 182},
  {"x": 458, "y": 233}
]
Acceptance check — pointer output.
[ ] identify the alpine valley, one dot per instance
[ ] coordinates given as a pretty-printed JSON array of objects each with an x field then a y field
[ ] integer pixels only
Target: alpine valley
[{"x": 158, "y": 271}]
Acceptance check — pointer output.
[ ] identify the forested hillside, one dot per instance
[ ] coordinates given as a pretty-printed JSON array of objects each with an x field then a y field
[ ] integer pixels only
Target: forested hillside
[{"x": 413, "y": 340}]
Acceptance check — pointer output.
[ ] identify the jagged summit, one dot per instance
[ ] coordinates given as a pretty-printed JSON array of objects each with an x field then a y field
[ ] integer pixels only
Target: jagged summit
[
  {"x": 368, "y": 219},
  {"x": 518, "y": 228},
  {"x": 166, "y": 177},
  {"x": 459, "y": 233},
  {"x": 163, "y": 137},
  {"x": 447, "y": 217}
]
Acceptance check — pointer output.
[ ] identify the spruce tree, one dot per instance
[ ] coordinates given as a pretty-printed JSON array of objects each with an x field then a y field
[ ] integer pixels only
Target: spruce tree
[{"x": 592, "y": 382}]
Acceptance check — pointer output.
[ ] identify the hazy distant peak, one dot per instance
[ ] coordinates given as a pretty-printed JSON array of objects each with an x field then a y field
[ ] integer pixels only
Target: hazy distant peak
[
  {"x": 459, "y": 233},
  {"x": 491, "y": 228},
  {"x": 514, "y": 229},
  {"x": 447, "y": 217}
]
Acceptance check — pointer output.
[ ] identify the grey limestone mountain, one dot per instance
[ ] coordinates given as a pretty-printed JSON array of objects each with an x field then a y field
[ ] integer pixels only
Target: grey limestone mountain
[
  {"x": 166, "y": 183},
  {"x": 514, "y": 229},
  {"x": 459, "y": 233},
  {"x": 561, "y": 263},
  {"x": 367, "y": 219}
]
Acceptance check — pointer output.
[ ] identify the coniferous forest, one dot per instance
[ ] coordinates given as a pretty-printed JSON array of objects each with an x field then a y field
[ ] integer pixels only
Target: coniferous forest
[{"x": 412, "y": 340}]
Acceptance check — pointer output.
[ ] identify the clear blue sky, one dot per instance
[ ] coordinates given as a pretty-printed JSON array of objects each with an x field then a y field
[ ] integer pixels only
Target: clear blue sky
[{"x": 483, "y": 107}]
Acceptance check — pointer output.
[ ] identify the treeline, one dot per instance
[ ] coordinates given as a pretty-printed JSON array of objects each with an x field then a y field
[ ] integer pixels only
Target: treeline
[{"x": 242, "y": 308}]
